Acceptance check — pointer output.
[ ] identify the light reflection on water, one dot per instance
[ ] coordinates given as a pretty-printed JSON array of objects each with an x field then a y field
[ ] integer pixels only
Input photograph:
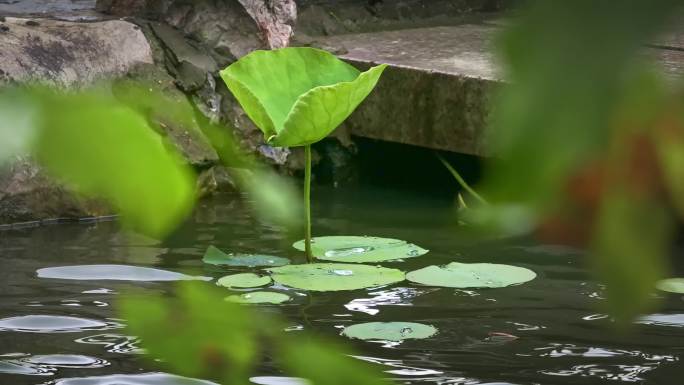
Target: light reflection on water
[{"x": 547, "y": 332}]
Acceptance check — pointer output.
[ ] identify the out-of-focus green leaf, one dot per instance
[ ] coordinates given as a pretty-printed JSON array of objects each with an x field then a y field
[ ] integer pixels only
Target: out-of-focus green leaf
[
  {"x": 273, "y": 197},
  {"x": 18, "y": 113},
  {"x": 199, "y": 334},
  {"x": 566, "y": 62},
  {"x": 631, "y": 241},
  {"x": 325, "y": 364},
  {"x": 298, "y": 95},
  {"x": 105, "y": 149},
  {"x": 669, "y": 141}
]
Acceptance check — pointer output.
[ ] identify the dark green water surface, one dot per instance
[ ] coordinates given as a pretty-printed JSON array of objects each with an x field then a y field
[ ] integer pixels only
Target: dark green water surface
[{"x": 66, "y": 331}]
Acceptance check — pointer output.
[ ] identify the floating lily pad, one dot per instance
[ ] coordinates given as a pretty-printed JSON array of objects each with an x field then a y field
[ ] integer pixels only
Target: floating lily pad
[
  {"x": 361, "y": 249},
  {"x": 243, "y": 280},
  {"x": 389, "y": 331},
  {"x": 335, "y": 276},
  {"x": 467, "y": 275},
  {"x": 671, "y": 285},
  {"x": 214, "y": 256},
  {"x": 259, "y": 297}
]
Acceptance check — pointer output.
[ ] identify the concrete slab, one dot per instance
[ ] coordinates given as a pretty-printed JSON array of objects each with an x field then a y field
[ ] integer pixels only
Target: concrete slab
[{"x": 436, "y": 92}]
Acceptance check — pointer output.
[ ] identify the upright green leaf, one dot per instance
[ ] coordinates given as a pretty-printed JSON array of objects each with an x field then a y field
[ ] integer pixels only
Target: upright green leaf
[{"x": 298, "y": 95}]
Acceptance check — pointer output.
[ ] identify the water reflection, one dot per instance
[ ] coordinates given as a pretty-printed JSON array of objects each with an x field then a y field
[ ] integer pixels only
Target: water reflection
[
  {"x": 674, "y": 320},
  {"x": 274, "y": 380},
  {"x": 132, "y": 379},
  {"x": 113, "y": 343},
  {"x": 23, "y": 368},
  {"x": 66, "y": 361},
  {"x": 400, "y": 296},
  {"x": 53, "y": 324},
  {"x": 625, "y": 373},
  {"x": 401, "y": 368},
  {"x": 114, "y": 272}
]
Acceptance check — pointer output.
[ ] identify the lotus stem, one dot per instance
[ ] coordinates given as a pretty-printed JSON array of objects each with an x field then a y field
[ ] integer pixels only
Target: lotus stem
[{"x": 307, "y": 202}]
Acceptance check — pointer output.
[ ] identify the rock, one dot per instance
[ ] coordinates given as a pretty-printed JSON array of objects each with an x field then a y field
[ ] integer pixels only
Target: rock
[
  {"x": 188, "y": 64},
  {"x": 216, "y": 179},
  {"x": 69, "y": 54},
  {"x": 275, "y": 19},
  {"x": 27, "y": 194}
]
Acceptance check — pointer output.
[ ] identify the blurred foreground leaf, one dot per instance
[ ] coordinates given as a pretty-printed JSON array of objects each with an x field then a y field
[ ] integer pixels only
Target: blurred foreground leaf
[
  {"x": 18, "y": 130},
  {"x": 107, "y": 150},
  {"x": 200, "y": 334},
  {"x": 567, "y": 62},
  {"x": 326, "y": 364},
  {"x": 573, "y": 134}
]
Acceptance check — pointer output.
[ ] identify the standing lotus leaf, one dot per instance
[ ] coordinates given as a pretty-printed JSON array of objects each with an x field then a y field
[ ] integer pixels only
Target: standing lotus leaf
[
  {"x": 298, "y": 95},
  {"x": 215, "y": 256},
  {"x": 671, "y": 285},
  {"x": 471, "y": 275},
  {"x": 361, "y": 249},
  {"x": 243, "y": 280},
  {"x": 389, "y": 331},
  {"x": 259, "y": 297},
  {"x": 334, "y": 276}
]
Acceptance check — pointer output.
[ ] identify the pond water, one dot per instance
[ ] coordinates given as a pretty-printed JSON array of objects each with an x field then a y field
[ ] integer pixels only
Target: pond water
[{"x": 548, "y": 331}]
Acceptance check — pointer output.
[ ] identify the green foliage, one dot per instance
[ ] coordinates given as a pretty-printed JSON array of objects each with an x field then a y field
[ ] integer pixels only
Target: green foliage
[
  {"x": 105, "y": 149},
  {"x": 214, "y": 256},
  {"x": 297, "y": 96},
  {"x": 18, "y": 124},
  {"x": 576, "y": 98},
  {"x": 101, "y": 148},
  {"x": 320, "y": 362},
  {"x": 389, "y": 331},
  {"x": 199, "y": 334},
  {"x": 361, "y": 249},
  {"x": 334, "y": 276},
  {"x": 243, "y": 280},
  {"x": 471, "y": 275}
]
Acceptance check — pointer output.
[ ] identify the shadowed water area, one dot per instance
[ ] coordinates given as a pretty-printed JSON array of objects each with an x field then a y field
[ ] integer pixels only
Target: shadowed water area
[{"x": 58, "y": 325}]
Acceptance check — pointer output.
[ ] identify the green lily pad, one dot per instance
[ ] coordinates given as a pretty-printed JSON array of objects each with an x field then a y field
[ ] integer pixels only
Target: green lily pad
[
  {"x": 389, "y": 331},
  {"x": 243, "y": 280},
  {"x": 671, "y": 285},
  {"x": 254, "y": 297},
  {"x": 360, "y": 249},
  {"x": 334, "y": 276},
  {"x": 214, "y": 256},
  {"x": 298, "y": 95},
  {"x": 471, "y": 275}
]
